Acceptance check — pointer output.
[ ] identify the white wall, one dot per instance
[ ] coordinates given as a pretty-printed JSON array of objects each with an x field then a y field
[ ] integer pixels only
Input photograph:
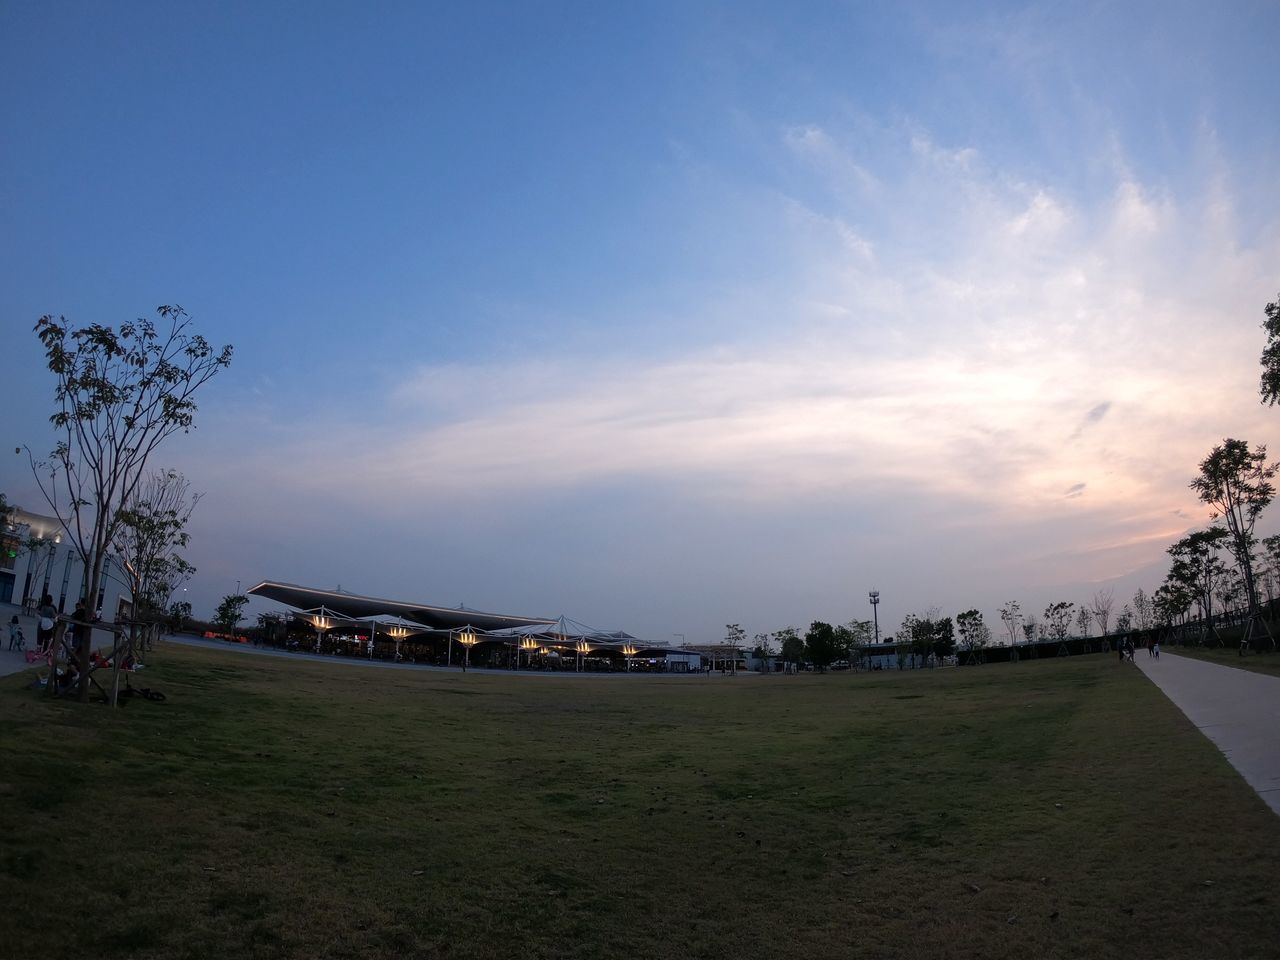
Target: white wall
[{"x": 25, "y": 576}]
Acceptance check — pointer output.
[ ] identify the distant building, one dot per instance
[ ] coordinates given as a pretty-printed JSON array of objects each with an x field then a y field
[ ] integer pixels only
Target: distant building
[{"x": 36, "y": 557}]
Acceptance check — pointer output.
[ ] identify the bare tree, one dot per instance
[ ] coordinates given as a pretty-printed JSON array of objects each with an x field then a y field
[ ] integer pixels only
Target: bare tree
[
  {"x": 152, "y": 529},
  {"x": 1103, "y": 600},
  {"x": 1011, "y": 616},
  {"x": 120, "y": 393},
  {"x": 1142, "y": 613}
]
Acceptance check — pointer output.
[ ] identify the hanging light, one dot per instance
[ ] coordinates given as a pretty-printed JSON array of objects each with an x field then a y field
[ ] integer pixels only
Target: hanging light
[{"x": 629, "y": 650}]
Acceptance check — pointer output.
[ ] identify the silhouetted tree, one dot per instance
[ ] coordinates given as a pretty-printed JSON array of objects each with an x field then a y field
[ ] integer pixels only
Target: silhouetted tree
[
  {"x": 1011, "y": 616},
  {"x": 974, "y": 634},
  {"x": 1235, "y": 482},
  {"x": 1197, "y": 568},
  {"x": 1141, "y": 610},
  {"x": 820, "y": 644},
  {"x": 230, "y": 612},
  {"x": 179, "y": 615},
  {"x": 736, "y": 638},
  {"x": 1057, "y": 618},
  {"x": 1101, "y": 608},
  {"x": 152, "y": 528},
  {"x": 790, "y": 645},
  {"x": 1270, "y": 387},
  {"x": 119, "y": 394},
  {"x": 1124, "y": 622}
]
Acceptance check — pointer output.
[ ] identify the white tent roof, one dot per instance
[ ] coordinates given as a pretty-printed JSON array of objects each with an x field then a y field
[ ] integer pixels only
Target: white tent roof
[{"x": 391, "y": 620}]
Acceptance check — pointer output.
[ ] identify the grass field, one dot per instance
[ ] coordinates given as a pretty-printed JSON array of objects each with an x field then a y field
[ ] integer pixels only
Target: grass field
[
  {"x": 1268, "y": 663},
  {"x": 272, "y": 808}
]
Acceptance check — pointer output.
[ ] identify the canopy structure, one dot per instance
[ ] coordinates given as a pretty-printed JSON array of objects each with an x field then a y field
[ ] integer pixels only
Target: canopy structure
[
  {"x": 370, "y": 609},
  {"x": 390, "y": 620},
  {"x": 566, "y": 632}
]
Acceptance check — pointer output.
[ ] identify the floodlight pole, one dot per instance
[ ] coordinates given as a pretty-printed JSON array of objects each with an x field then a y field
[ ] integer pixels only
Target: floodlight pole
[{"x": 874, "y": 597}]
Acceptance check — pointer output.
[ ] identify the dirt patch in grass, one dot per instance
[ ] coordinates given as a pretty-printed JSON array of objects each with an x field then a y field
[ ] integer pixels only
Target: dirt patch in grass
[{"x": 1059, "y": 808}]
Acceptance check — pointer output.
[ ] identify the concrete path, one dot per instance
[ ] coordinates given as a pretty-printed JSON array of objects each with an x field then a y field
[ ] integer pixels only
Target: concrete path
[
  {"x": 1238, "y": 710},
  {"x": 13, "y": 661}
]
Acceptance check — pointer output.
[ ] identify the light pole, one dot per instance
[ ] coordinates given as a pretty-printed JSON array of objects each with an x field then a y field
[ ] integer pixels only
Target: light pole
[
  {"x": 237, "y": 588},
  {"x": 468, "y": 639},
  {"x": 874, "y": 597}
]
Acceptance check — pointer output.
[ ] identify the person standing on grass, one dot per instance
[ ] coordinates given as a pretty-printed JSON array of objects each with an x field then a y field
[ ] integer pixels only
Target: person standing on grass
[
  {"x": 79, "y": 627},
  {"x": 48, "y": 615}
]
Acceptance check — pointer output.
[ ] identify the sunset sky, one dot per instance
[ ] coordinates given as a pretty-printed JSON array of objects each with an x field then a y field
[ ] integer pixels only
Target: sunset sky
[{"x": 663, "y": 316}]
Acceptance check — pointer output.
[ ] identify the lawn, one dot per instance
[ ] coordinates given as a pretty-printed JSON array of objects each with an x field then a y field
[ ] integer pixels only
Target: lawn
[
  {"x": 1229, "y": 656},
  {"x": 276, "y": 808}
]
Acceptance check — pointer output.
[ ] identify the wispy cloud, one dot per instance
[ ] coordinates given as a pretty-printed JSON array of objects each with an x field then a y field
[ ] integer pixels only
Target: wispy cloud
[{"x": 937, "y": 354}]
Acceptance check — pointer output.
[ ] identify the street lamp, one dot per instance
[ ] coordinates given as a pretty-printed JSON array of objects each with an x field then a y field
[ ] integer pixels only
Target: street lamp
[
  {"x": 468, "y": 639},
  {"x": 874, "y": 597},
  {"x": 528, "y": 645}
]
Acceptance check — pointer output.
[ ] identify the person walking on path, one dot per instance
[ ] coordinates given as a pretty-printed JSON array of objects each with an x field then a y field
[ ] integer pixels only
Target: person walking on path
[{"x": 16, "y": 640}]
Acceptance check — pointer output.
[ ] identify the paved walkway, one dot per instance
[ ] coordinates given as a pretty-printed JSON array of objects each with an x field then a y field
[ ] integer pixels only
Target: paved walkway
[
  {"x": 1238, "y": 710},
  {"x": 11, "y": 661}
]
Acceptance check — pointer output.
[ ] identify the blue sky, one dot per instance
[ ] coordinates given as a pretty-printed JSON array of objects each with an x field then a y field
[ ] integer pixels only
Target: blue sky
[{"x": 668, "y": 315}]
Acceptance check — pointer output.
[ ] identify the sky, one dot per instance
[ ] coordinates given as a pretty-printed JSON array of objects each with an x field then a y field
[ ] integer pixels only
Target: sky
[{"x": 663, "y": 316}]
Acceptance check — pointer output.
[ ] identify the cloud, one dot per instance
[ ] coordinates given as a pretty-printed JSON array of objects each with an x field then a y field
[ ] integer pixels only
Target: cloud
[
  {"x": 1094, "y": 415},
  {"x": 943, "y": 374},
  {"x": 937, "y": 330}
]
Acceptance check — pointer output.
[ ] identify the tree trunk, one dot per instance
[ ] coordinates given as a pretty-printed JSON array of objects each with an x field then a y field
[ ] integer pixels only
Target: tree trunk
[{"x": 85, "y": 634}]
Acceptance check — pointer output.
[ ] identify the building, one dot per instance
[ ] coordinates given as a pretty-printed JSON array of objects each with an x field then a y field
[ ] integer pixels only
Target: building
[
  {"x": 345, "y": 624},
  {"x": 37, "y": 557}
]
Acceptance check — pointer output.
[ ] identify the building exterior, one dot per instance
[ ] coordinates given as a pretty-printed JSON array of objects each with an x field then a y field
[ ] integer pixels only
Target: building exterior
[
  {"x": 36, "y": 557},
  {"x": 353, "y": 624}
]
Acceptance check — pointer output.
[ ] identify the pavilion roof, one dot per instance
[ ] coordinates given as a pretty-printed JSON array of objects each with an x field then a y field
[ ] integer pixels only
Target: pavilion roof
[{"x": 355, "y": 606}]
